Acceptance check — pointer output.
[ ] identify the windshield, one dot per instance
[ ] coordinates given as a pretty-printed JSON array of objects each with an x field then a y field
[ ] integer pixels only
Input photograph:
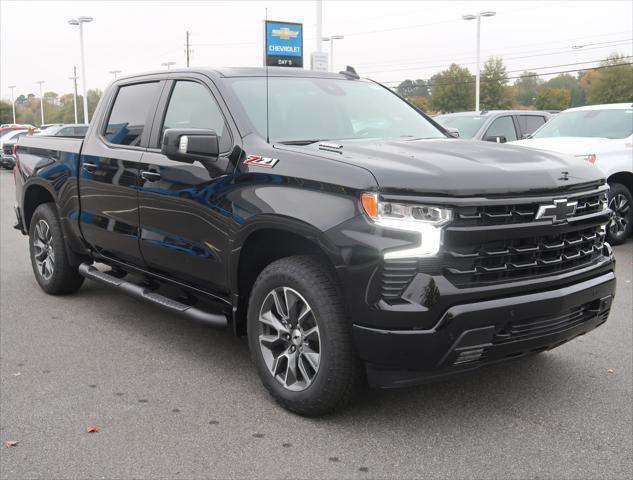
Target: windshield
[
  {"x": 301, "y": 110},
  {"x": 589, "y": 123},
  {"x": 468, "y": 125}
]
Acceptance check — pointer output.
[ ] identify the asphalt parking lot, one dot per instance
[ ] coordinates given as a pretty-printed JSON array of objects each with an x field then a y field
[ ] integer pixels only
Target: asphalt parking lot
[{"x": 173, "y": 399}]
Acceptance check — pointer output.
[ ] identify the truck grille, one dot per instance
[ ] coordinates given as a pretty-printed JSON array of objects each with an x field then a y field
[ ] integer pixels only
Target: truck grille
[
  {"x": 525, "y": 257},
  {"x": 523, "y": 248},
  {"x": 523, "y": 212}
]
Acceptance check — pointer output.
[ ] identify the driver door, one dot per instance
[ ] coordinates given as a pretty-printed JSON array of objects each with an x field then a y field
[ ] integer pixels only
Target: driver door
[{"x": 183, "y": 229}]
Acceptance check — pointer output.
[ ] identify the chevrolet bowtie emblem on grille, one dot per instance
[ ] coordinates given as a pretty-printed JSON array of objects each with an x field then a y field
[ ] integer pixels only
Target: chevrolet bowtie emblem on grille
[
  {"x": 284, "y": 33},
  {"x": 558, "y": 211}
]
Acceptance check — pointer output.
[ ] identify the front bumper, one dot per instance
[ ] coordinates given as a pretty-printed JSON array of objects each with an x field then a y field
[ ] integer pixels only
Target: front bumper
[{"x": 471, "y": 335}]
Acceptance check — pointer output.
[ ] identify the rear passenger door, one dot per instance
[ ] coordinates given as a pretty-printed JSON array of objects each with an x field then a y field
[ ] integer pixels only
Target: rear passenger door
[
  {"x": 184, "y": 227},
  {"x": 108, "y": 177},
  {"x": 501, "y": 130}
]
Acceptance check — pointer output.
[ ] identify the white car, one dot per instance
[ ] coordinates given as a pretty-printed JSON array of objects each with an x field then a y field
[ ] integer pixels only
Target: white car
[{"x": 602, "y": 135}]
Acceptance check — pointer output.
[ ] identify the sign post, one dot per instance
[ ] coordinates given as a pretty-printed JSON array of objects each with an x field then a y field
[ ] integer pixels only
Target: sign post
[{"x": 283, "y": 44}]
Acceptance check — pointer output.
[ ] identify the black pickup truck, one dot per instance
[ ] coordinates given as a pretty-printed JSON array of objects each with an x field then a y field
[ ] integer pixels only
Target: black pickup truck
[{"x": 342, "y": 230}]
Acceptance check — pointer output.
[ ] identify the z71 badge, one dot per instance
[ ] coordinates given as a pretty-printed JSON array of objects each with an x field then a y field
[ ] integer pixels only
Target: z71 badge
[{"x": 261, "y": 161}]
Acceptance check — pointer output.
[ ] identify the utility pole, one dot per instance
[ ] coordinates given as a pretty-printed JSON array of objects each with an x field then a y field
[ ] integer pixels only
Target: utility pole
[
  {"x": 74, "y": 79},
  {"x": 41, "y": 101},
  {"x": 478, "y": 18},
  {"x": 114, "y": 72},
  {"x": 319, "y": 26},
  {"x": 80, "y": 22},
  {"x": 12, "y": 102},
  {"x": 188, "y": 49}
]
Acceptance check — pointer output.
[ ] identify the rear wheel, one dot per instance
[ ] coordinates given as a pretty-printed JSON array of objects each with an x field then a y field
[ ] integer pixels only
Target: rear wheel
[
  {"x": 49, "y": 260},
  {"x": 619, "y": 228},
  {"x": 300, "y": 338}
]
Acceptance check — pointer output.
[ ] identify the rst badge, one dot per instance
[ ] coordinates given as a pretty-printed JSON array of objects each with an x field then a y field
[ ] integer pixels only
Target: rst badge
[{"x": 261, "y": 161}]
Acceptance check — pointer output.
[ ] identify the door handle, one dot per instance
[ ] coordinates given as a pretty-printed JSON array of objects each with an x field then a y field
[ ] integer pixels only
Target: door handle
[
  {"x": 151, "y": 176},
  {"x": 89, "y": 167}
]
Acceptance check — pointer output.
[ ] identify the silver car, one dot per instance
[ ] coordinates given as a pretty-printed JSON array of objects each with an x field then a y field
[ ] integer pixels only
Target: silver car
[{"x": 494, "y": 125}]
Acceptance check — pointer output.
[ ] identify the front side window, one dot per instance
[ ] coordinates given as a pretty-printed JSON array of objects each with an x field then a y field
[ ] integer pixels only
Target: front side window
[
  {"x": 129, "y": 113},
  {"x": 502, "y": 127},
  {"x": 589, "y": 123},
  {"x": 192, "y": 106},
  {"x": 306, "y": 109}
]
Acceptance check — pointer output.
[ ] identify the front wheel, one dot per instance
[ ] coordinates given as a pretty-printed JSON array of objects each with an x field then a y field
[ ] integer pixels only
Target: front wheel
[
  {"x": 49, "y": 259},
  {"x": 619, "y": 228},
  {"x": 300, "y": 338}
]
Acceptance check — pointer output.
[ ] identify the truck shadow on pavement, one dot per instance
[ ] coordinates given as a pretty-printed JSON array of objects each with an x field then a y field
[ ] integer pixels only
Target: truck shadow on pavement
[{"x": 514, "y": 385}]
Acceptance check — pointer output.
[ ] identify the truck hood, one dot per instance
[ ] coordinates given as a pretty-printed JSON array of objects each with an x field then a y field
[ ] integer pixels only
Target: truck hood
[
  {"x": 459, "y": 167},
  {"x": 569, "y": 145}
]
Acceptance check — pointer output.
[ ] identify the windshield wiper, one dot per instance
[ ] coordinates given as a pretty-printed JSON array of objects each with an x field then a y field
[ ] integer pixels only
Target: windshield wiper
[{"x": 299, "y": 142}]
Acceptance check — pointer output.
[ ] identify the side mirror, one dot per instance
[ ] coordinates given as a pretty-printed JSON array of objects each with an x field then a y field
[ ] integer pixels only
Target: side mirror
[
  {"x": 452, "y": 132},
  {"x": 190, "y": 144},
  {"x": 496, "y": 139}
]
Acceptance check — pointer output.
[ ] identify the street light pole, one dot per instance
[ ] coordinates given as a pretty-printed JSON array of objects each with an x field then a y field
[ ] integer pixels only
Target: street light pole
[
  {"x": 477, "y": 76},
  {"x": 114, "y": 72},
  {"x": 80, "y": 21},
  {"x": 331, "y": 40},
  {"x": 74, "y": 79},
  {"x": 168, "y": 64},
  {"x": 41, "y": 101},
  {"x": 11, "y": 87}
]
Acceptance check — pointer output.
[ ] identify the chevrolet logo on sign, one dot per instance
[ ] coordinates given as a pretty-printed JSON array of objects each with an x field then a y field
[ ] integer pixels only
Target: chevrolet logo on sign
[
  {"x": 284, "y": 33},
  {"x": 558, "y": 212}
]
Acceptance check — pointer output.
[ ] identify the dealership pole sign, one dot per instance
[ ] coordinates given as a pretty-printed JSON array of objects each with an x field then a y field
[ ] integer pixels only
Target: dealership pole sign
[{"x": 283, "y": 44}]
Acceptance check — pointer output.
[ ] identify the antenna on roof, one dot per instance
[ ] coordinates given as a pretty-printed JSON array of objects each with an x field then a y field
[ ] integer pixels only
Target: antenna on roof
[
  {"x": 267, "y": 120},
  {"x": 350, "y": 72}
]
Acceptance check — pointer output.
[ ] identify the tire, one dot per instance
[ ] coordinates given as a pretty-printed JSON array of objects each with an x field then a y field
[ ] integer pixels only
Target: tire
[
  {"x": 320, "y": 384},
  {"x": 49, "y": 259},
  {"x": 619, "y": 229}
]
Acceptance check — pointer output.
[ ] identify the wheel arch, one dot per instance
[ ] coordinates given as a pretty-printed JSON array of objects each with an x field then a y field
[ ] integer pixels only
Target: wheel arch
[
  {"x": 624, "y": 178},
  {"x": 261, "y": 245},
  {"x": 35, "y": 194}
]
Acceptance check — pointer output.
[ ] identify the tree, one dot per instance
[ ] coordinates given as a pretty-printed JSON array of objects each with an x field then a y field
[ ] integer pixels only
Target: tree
[
  {"x": 452, "y": 90},
  {"x": 423, "y": 103},
  {"x": 568, "y": 82},
  {"x": 413, "y": 88},
  {"x": 549, "y": 98},
  {"x": 494, "y": 93},
  {"x": 6, "y": 112},
  {"x": 526, "y": 88},
  {"x": 613, "y": 83}
]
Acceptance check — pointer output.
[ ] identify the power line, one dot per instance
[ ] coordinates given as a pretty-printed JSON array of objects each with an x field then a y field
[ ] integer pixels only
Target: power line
[
  {"x": 563, "y": 49},
  {"x": 425, "y": 67},
  {"x": 515, "y": 77}
]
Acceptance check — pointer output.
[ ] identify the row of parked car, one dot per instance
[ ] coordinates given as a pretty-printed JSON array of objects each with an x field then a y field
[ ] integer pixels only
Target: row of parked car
[
  {"x": 11, "y": 133},
  {"x": 600, "y": 134}
]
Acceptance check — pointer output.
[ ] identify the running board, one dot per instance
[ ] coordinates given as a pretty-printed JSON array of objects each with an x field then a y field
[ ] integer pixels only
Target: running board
[{"x": 214, "y": 319}]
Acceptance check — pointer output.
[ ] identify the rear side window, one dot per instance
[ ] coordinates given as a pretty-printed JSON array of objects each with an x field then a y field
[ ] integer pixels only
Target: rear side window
[
  {"x": 129, "y": 113},
  {"x": 529, "y": 123}
]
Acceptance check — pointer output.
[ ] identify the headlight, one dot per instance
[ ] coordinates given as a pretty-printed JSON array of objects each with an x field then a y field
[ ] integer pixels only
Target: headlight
[{"x": 423, "y": 219}]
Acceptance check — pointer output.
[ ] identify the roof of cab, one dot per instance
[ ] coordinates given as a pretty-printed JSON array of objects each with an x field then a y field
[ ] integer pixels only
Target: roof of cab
[
  {"x": 606, "y": 106},
  {"x": 227, "y": 72}
]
